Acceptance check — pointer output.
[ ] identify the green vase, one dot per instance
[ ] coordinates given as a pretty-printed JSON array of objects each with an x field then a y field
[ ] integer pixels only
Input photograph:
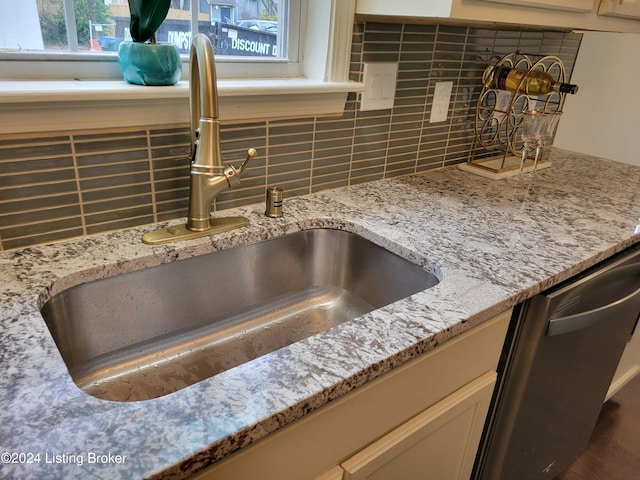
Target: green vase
[{"x": 149, "y": 64}]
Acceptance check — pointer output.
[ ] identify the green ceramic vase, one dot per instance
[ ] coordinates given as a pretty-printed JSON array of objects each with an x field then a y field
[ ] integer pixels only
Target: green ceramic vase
[{"x": 149, "y": 64}]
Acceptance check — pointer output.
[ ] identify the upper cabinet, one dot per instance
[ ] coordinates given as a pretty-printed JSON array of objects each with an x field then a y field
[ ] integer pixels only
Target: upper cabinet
[
  {"x": 620, "y": 8},
  {"x": 566, "y": 5},
  {"x": 599, "y": 15}
]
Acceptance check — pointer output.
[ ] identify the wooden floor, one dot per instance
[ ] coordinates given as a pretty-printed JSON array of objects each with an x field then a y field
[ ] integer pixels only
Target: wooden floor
[{"x": 614, "y": 449}]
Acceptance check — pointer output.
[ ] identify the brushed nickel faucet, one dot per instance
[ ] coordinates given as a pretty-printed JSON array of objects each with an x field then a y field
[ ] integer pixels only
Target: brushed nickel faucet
[{"x": 209, "y": 176}]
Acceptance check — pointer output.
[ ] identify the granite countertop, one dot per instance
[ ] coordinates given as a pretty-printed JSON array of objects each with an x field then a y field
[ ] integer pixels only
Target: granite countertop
[{"x": 491, "y": 243}]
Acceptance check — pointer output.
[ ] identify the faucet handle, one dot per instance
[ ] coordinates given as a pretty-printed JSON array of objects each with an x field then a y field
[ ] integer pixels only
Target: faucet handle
[
  {"x": 250, "y": 154},
  {"x": 232, "y": 174}
]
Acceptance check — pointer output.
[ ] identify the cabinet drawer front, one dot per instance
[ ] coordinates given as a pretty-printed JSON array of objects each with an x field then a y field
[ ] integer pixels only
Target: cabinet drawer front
[
  {"x": 316, "y": 443},
  {"x": 440, "y": 442}
]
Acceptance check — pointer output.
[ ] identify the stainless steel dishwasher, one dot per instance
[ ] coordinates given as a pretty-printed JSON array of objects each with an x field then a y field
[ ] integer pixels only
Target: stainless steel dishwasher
[{"x": 562, "y": 351}]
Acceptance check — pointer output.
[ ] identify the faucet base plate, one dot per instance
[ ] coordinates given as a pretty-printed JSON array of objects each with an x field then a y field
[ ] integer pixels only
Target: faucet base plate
[{"x": 181, "y": 232}]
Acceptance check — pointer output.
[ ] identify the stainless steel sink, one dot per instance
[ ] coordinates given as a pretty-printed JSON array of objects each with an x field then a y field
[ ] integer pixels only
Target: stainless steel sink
[{"x": 147, "y": 333}]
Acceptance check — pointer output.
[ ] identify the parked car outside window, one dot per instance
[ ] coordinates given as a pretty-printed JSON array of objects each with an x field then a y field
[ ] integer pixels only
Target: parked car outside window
[{"x": 264, "y": 25}]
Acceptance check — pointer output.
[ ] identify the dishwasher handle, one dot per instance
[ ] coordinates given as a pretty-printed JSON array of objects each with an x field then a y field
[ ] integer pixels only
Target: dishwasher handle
[{"x": 579, "y": 321}]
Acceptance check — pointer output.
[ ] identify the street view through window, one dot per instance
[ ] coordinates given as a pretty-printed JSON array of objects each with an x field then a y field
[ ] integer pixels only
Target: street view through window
[{"x": 245, "y": 28}]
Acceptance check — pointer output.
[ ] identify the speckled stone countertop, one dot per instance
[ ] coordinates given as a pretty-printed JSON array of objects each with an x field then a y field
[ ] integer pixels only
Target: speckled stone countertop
[{"x": 491, "y": 243}]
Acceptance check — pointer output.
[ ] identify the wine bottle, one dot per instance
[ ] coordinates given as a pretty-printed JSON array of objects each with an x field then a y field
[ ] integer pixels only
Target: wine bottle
[{"x": 530, "y": 82}]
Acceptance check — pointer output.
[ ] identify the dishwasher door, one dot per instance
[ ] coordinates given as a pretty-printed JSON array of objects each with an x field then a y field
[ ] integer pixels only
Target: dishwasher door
[{"x": 566, "y": 345}]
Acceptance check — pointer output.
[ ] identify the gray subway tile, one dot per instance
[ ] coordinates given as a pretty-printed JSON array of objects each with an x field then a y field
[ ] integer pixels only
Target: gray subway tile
[
  {"x": 38, "y": 177},
  {"x": 34, "y": 150},
  {"x": 41, "y": 227},
  {"x": 24, "y": 205},
  {"x": 38, "y": 193},
  {"x": 323, "y": 183},
  {"x": 118, "y": 216},
  {"x": 110, "y": 144},
  {"x": 115, "y": 181},
  {"x": 51, "y": 235},
  {"x": 25, "y": 167},
  {"x": 300, "y": 154},
  {"x": 119, "y": 223},
  {"x": 118, "y": 203}
]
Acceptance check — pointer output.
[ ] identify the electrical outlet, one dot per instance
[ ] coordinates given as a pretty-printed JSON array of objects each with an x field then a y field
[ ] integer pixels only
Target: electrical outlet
[
  {"x": 441, "y": 99},
  {"x": 379, "y": 86}
]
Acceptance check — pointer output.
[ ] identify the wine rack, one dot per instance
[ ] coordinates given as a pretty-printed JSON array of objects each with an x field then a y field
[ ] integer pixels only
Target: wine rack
[{"x": 496, "y": 151}]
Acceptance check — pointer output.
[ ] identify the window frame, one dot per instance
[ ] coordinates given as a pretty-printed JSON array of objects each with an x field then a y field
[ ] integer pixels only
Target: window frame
[
  {"x": 83, "y": 65},
  {"x": 315, "y": 85}
]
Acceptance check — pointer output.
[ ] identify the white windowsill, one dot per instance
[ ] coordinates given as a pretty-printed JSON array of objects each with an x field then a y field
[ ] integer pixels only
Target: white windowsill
[
  {"x": 45, "y": 106},
  {"x": 68, "y": 105}
]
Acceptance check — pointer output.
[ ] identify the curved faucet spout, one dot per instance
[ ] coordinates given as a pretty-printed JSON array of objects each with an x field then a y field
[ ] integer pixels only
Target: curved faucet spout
[
  {"x": 208, "y": 176},
  {"x": 203, "y": 105},
  {"x": 204, "y": 94}
]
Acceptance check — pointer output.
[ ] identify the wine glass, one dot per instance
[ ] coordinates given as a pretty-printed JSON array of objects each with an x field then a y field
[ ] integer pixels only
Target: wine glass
[
  {"x": 549, "y": 121},
  {"x": 530, "y": 128}
]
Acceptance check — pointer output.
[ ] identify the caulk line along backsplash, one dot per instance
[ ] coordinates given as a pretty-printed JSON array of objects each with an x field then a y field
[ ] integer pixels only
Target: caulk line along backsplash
[{"x": 56, "y": 186}]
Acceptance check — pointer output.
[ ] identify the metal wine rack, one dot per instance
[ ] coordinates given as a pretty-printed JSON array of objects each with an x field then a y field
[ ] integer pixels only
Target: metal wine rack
[{"x": 497, "y": 147}]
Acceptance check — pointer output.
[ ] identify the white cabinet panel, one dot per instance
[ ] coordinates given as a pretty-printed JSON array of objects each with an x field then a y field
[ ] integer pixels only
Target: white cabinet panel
[
  {"x": 613, "y": 16},
  {"x": 314, "y": 446},
  {"x": 629, "y": 365},
  {"x": 620, "y": 8},
  {"x": 567, "y": 5},
  {"x": 334, "y": 474},
  {"x": 441, "y": 442}
]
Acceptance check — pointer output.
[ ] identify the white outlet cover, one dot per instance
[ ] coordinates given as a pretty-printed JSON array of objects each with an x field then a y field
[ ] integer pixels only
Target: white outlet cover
[
  {"x": 379, "y": 86},
  {"x": 441, "y": 100}
]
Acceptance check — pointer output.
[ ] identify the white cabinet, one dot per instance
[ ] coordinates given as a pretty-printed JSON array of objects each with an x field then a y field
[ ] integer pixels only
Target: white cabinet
[
  {"x": 629, "y": 365},
  {"x": 562, "y": 14},
  {"x": 441, "y": 442},
  {"x": 620, "y": 8},
  {"x": 432, "y": 407},
  {"x": 567, "y": 5},
  {"x": 335, "y": 473}
]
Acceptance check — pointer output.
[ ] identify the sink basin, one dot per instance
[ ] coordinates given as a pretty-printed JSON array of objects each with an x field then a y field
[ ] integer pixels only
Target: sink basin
[{"x": 148, "y": 333}]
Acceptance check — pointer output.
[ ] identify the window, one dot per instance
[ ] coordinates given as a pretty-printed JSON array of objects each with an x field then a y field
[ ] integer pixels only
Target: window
[
  {"x": 84, "y": 89},
  {"x": 241, "y": 31}
]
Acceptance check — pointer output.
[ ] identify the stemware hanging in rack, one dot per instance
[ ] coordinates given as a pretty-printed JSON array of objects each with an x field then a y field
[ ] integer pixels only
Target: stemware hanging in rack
[{"x": 498, "y": 148}]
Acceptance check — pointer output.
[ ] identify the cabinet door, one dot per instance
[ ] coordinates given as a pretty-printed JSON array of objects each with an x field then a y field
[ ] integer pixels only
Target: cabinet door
[
  {"x": 629, "y": 365},
  {"x": 620, "y": 8},
  {"x": 567, "y": 5},
  {"x": 333, "y": 474},
  {"x": 440, "y": 442}
]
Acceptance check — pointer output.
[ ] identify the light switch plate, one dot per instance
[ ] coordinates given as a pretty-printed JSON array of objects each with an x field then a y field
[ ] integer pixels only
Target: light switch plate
[
  {"x": 379, "y": 86},
  {"x": 441, "y": 99}
]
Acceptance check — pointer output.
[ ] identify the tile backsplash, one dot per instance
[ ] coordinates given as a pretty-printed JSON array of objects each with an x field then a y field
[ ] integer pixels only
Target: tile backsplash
[{"x": 56, "y": 186}]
